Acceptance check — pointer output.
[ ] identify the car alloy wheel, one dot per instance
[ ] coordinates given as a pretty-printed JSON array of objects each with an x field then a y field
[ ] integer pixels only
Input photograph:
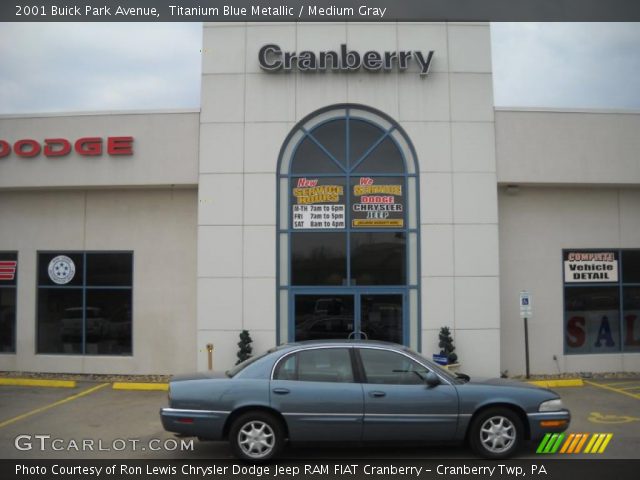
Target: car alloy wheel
[
  {"x": 256, "y": 439},
  {"x": 256, "y": 436},
  {"x": 496, "y": 433}
]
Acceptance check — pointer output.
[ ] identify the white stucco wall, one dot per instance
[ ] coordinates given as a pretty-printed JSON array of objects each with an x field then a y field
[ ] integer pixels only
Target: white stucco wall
[
  {"x": 246, "y": 115},
  {"x": 563, "y": 147},
  {"x": 536, "y": 223},
  {"x": 158, "y": 225},
  {"x": 165, "y": 150}
]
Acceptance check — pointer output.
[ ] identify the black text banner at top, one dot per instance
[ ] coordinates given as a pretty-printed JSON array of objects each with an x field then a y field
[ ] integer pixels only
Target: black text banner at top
[{"x": 319, "y": 10}]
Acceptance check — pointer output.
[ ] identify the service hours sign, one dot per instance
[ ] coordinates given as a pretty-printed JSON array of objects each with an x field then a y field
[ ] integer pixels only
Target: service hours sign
[{"x": 318, "y": 203}]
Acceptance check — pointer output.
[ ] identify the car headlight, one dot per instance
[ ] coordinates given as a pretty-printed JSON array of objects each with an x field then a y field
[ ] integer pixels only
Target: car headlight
[{"x": 551, "y": 405}]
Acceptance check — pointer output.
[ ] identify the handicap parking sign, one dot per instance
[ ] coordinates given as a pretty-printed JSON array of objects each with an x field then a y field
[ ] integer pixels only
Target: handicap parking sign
[{"x": 526, "y": 304}]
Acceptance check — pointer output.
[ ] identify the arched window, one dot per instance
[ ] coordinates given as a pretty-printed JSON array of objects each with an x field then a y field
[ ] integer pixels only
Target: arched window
[{"x": 348, "y": 229}]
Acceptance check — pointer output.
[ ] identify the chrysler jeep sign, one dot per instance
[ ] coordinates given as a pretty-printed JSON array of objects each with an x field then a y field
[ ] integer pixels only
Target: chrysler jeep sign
[{"x": 272, "y": 59}]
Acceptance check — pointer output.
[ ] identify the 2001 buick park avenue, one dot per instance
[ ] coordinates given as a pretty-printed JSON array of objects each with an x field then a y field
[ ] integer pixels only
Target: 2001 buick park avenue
[{"x": 356, "y": 391}]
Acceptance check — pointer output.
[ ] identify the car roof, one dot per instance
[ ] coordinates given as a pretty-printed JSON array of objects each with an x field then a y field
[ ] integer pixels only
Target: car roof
[{"x": 342, "y": 343}]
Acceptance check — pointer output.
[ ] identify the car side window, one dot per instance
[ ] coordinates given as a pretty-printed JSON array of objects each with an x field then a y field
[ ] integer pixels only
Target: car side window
[
  {"x": 317, "y": 365},
  {"x": 392, "y": 368},
  {"x": 286, "y": 369}
]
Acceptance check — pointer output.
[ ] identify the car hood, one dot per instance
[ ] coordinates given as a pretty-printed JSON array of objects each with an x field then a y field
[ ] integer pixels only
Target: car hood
[
  {"x": 198, "y": 376},
  {"x": 501, "y": 382}
]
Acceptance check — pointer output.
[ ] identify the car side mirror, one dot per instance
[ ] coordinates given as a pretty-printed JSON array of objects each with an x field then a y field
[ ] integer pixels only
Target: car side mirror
[{"x": 431, "y": 379}]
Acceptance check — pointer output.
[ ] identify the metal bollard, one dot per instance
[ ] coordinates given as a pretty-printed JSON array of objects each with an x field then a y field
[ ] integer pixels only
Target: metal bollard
[{"x": 210, "y": 355}]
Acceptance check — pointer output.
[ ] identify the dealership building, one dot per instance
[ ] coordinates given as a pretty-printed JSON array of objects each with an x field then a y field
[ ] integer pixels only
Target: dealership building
[{"x": 348, "y": 180}]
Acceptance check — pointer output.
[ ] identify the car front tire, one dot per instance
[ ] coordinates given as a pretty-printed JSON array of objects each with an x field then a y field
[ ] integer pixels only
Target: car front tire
[
  {"x": 256, "y": 436},
  {"x": 496, "y": 433}
]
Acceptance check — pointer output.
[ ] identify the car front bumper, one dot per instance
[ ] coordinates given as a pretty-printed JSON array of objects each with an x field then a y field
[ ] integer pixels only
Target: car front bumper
[{"x": 541, "y": 423}]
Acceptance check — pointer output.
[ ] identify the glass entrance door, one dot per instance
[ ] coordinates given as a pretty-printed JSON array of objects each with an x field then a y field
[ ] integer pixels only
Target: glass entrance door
[
  {"x": 381, "y": 317},
  {"x": 358, "y": 315}
]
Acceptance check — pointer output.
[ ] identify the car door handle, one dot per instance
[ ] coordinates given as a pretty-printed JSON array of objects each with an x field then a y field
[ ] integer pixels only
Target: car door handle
[
  {"x": 377, "y": 394},
  {"x": 281, "y": 391}
]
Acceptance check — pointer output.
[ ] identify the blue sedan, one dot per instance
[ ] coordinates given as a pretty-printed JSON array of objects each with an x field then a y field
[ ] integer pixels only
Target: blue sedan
[{"x": 356, "y": 391}]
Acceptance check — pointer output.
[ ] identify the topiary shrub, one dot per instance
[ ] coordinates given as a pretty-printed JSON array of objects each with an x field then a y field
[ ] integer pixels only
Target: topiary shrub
[
  {"x": 244, "y": 346},
  {"x": 446, "y": 345}
]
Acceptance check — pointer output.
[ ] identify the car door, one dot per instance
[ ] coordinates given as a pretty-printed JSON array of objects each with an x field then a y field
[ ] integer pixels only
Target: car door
[
  {"x": 398, "y": 405},
  {"x": 316, "y": 392}
]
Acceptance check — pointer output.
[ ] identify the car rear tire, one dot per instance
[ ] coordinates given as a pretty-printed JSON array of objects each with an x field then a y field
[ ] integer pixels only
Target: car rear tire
[
  {"x": 496, "y": 433},
  {"x": 256, "y": 436}
]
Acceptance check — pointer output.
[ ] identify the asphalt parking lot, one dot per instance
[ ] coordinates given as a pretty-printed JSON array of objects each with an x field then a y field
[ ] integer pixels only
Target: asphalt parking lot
[{"x": 95, "y": 421}]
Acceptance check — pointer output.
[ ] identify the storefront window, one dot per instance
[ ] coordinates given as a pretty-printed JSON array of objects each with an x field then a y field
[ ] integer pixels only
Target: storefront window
[
  {"x": 8, "y": 282},
  {"x": 631, "y": 319},
  {"x": 348, "y": 229},
  {"x": 318, "y": 259},
  {"x": 602, "y": 301},
  {"x": 378, "y": 258},
  {"x": 84, "y": 303}
]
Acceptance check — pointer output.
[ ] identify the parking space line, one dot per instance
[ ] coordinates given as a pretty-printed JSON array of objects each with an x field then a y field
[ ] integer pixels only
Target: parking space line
[
  {"x": 617, "y": 390},
  {"x": 616, "y": 384},
  {"x": 52, "y": 405}
]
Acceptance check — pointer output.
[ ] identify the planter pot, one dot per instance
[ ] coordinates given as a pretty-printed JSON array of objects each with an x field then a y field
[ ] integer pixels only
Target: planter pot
[
  {"x": 452, "y": 367},
  {"x": 440, "y": 359}
]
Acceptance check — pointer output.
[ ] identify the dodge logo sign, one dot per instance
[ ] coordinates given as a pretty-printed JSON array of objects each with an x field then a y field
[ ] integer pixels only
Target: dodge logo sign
[{"x": 59, "y": 147}]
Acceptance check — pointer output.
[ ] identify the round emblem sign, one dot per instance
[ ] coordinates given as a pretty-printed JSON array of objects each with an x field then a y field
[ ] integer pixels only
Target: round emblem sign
[{"x": 61, "y": 270}]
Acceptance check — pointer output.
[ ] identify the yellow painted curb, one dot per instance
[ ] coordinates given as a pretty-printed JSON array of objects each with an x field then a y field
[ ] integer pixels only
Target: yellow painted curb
[
  {"x": 140, "y": 386},
  {"x": 569, "y": 382},
  {"x": 36, "y": 382}
]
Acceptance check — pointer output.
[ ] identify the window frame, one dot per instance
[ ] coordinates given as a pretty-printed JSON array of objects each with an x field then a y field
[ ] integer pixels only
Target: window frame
[
  {"x": 390, "y": 129},
  {"x": 84, "y": 288},
  {"x": 365, "y": 377},
  {"x": 355, "y": 370},
  {"x": 14, "y": 287},
  {"x": 619, "y": 285}
]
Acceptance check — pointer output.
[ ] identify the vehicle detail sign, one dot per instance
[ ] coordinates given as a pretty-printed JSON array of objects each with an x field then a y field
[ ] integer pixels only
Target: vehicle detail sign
[
  {"x": 377, "y": 203},
  {"x": 318, "y": 203},
  {"x": 590, "y": 267}
]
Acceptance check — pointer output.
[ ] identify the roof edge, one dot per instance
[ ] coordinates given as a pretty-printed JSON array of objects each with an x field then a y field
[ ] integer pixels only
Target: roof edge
[
  {"x": 99, "y": 113},
  {"x": 605, "y": 111}
]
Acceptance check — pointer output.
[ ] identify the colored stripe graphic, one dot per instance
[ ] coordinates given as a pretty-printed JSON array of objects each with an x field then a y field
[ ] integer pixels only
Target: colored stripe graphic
[
  {"x": 598, "y": 443},
  {"x": 582, "y": 442},
  {"x": 550, "y": 443},
  {"x": 573, "y": 443},
  {"x": 543, "y": 443},
  {"x": 556, "y": 445},
  {"x": 567, "y": 443}
]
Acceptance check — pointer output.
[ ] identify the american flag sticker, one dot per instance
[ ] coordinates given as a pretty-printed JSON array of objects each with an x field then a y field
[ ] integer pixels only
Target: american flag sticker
[{"x": 8, "y": 270}]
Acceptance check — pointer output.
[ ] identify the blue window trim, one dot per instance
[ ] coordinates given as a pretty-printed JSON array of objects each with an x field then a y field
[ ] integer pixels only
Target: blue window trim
[
  {"x": 344, "y": 111},
  {"x": 620, "y": 284},
  {"x": 84, "y": 287}
]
